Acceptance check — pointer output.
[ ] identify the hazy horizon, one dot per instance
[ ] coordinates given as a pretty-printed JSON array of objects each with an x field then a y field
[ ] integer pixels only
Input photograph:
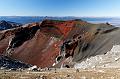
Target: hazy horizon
[{"x": 59, "y": 16}]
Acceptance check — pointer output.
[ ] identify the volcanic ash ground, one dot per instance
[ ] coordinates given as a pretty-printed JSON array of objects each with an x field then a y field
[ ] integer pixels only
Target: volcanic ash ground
[{"x": 110, "y": 60}]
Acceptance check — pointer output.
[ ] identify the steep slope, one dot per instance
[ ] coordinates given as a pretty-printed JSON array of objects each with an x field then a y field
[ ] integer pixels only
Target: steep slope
[
  {"x": 58, "y": 43},
  {"x": 87, "y": 40},
  {"x": 110, "y": 60},
  {"x": 36, "y": 43}
]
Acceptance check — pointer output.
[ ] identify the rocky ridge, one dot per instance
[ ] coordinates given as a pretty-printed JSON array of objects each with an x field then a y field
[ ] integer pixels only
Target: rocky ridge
[{"x": 56, "y": 43}]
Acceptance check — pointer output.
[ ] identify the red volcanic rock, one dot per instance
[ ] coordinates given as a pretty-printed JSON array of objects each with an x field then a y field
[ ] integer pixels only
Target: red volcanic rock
[
  {"x": 64, "y": 26},
  {"x": 55, "y": 41},
  {"x": 36, "y": 43}
]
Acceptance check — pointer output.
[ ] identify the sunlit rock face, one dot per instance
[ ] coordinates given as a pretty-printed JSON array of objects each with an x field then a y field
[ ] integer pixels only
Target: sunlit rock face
[{"x": 110, "y": 60}]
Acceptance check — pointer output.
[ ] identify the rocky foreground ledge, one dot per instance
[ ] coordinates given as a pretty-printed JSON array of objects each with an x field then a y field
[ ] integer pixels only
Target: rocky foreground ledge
[{"x": 110, "y": 73}]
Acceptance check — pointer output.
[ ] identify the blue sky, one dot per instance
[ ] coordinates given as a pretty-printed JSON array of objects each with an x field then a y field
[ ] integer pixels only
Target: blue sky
[{"x": 60, "y": 8}]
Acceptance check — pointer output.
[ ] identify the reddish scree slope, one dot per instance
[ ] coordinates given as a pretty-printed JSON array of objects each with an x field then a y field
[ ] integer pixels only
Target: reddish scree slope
[{"x": 36, "y": 43}]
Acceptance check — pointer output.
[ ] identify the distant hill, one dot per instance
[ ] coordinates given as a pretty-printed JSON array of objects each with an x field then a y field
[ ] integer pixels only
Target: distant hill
[{"x": 8, "y": 25}]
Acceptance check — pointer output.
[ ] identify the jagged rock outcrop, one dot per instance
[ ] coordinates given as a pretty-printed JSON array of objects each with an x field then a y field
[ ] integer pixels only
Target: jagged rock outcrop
[
  {"x": 8, "y": 63},
  {"x": 8, "y": 25},
  {"x": 58, "y": 43}
]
